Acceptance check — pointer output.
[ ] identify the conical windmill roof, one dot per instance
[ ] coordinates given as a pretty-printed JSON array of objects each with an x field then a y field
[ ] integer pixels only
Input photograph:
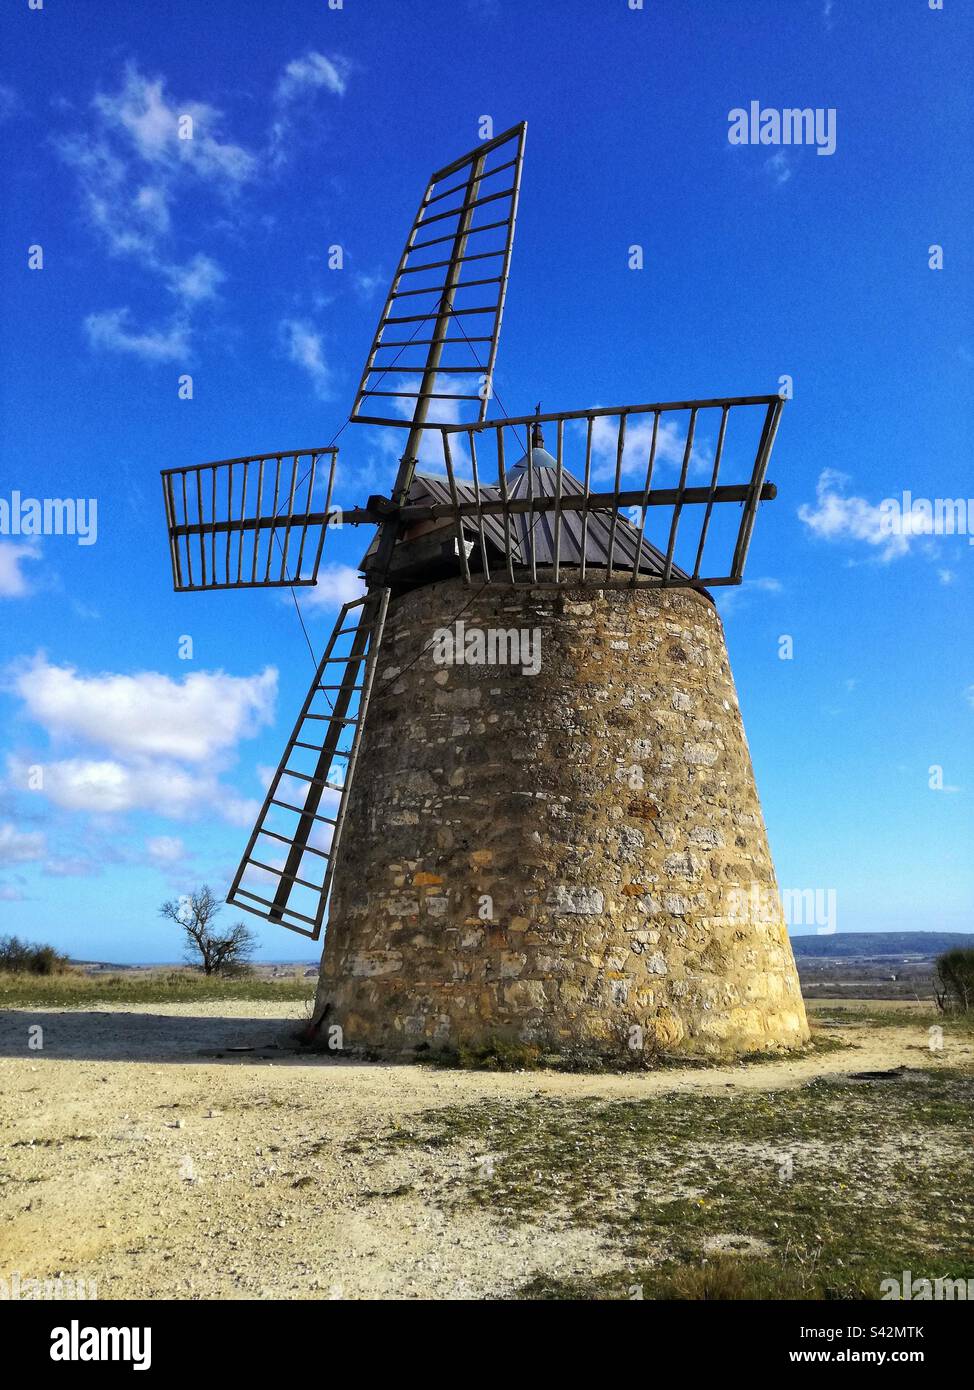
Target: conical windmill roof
[{"x": 539, "y": 528}]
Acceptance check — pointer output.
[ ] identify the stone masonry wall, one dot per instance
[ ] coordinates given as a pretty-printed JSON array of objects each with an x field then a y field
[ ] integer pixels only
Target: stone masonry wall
[{"x": 558, "y": 858}]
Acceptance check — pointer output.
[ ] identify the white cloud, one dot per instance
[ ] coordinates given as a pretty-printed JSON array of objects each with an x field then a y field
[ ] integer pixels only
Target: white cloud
[
  {"x": 337, "y": 584},
  {"x": 670, "y": 446},
  {"x": 132, "y": 166},
  {"x": 9, "y": 102},
  {"x": 72, "y": 868},
  {"x": 13, "y": 582},
  {"x": 303, "y": 345},
  {"x": 196, "y": 280},
  {"x": 111, "y": 332},
  {"x": 146, "y": 122},
  {"x": 366, "y": 283},
  {"x": 150, "y": 715},
  {"x": 107, "y": 787},
  {"x": 838, "y": 517},
  {"x": 947, "y": 576},
  {"x": 779, "y": 166},
  {"x": 18, "y": 846},
  {"x": 165, "y": 851},
  {"x": 313, "y": 71},
  {"x": 733, "y": 597},
  {"x": 302, "y": 80}
]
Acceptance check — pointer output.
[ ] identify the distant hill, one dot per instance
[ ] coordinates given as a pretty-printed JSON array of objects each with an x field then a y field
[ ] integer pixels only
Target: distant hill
[{"x": 861, "y": 945}]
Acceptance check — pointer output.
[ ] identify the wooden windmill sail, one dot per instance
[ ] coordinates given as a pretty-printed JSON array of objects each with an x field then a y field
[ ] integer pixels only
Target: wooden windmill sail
[{"x": 567, "y": 519}]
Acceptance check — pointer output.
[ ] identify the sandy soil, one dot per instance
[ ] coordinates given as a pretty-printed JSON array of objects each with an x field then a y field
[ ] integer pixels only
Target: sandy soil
[{"x": 139, "y": 1150}]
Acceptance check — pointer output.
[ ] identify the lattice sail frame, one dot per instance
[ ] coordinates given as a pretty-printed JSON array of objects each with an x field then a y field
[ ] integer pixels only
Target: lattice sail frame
[
  {"x": 515, "y": 564},
  {"x": 235, "y": 520},
  {"x": 307, "y": 870},
  {"x": 484, "y": 218}
]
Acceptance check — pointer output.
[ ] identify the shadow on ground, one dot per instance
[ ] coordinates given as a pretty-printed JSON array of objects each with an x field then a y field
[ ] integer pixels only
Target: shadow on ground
[{"x": 93, "y": 1035}]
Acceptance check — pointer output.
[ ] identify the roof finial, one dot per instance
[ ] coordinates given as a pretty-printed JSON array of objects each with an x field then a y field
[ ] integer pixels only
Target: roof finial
[{"x": 537, "y": 438}]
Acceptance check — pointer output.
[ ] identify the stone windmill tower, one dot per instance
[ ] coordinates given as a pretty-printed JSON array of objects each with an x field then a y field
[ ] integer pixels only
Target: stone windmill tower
[{"x": 519, "y": 784}]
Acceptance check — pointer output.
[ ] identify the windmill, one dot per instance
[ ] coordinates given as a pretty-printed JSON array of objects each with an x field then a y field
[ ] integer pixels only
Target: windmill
[{"x": 369, "y": 816}]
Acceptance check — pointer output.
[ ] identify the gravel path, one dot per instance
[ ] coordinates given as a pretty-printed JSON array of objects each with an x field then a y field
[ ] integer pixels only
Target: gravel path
[{"x": 138, "y": 1149}]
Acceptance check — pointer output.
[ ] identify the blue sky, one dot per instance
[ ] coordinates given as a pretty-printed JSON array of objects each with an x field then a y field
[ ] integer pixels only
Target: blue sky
[{"x": 321, "y": 128}]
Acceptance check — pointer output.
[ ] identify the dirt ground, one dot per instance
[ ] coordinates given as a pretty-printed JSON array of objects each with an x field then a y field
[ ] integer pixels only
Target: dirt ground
[{"x": 138, "y": 1149}]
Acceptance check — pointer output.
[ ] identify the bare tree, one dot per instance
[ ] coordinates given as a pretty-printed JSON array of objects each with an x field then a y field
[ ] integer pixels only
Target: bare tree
[{"x": 206, "y": 948}]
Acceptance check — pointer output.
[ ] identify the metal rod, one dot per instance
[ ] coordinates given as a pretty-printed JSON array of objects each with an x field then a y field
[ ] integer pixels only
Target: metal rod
[
  {"x": 438, "y": 240},
  {"x": 771, "y": 423},
  {"x": 661, "y": 406},
  {"x": 438, "y": 289},
  {"x": 448, "y": 313},
  {"x": 229, "y": 518},
  {"x": 423, "y": 395},
  {"x": 509, "y": 242},
  {"x": 307, "y": 508},
  {"x": 324, "y": 528},
  {"x": 620, "y": 448},
  {"x": 438, "y": 265},
  {"x": 532, "y": 543},
  {"x": 678, "y": 505},
  {"x": 243, "y": 515},
  {"x": 170, "y": 524},
  {"x": 270, "y": 539},
  {"x": 645, "y": 498},
  {"x": 559, "y": 464},
  {"x": 467, "y": 206},
  {"x": 502, "y": 483},
  {"x": 416, "y": 512},
  {"x": 199, "y": 508},
  {"x": 458, "y": 187},
  {"x": 461, "y": 545},
  {"x": 260, "y": 493},
  {"x": 213, "y": 509},
  {"x": 290, "y": 514},
  {"x": 189, "y": 558},
  {"x": 480, "y": 519},
  {"x": 705, "y": 524},
  {"x": 586, "y": 496}
]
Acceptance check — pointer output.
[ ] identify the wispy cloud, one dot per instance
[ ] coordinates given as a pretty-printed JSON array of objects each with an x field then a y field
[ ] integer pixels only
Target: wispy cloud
[
  {"x": 301, "y": 81},
  {"x": 13, "y": 582},
  {"x": 671, "y": 439},
  {"x": 313, "y": 70},
  {"x": 10, "y": 103},
  {"x": 19, "y": 846},
  {"x": 195, "y": 281},
  {"x": 732, "y": 598},
  {"x": 111, "y": 331},
  {"x": 779, "y": 166},
  {"x": 836, "y": 516},
  {"x": 337, "y": 584},
  {"x": 304, "y": 346},
  {"x": 149, "y": 159},
  {"x": 165, "y": 851}
]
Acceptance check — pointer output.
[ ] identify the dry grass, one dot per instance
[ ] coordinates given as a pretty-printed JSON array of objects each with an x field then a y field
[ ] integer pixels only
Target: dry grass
[{"x": 75, "y": 989}]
